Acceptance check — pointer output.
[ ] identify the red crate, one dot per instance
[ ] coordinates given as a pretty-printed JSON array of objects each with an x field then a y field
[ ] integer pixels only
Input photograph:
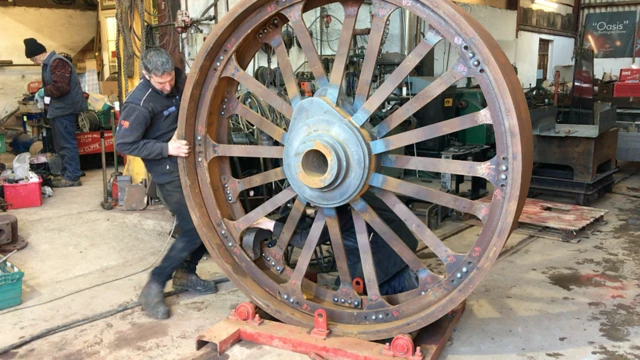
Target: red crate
[
  {"x": 24, "y": 195},
  {"x": 626, "y": 90},
  {"x": 629, "y": 75}
]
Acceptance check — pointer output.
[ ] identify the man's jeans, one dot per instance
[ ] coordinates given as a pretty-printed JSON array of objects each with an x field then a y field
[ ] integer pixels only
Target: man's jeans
[
  {"x": 63, "y": 129},
  {"x": 392, "y": 273},
  {"x": 188, "y": 249}
]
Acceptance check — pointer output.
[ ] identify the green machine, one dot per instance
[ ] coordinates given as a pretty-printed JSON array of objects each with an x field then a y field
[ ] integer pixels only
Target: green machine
[{"x": 469, "y": 100}]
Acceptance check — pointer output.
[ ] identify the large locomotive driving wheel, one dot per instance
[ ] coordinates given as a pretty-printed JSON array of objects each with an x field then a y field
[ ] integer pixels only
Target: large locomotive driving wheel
[{"x": 330, "y": 155}]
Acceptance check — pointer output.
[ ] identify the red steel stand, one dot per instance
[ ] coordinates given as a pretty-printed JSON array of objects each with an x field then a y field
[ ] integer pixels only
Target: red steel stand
[{"x": 245, "y": 324}]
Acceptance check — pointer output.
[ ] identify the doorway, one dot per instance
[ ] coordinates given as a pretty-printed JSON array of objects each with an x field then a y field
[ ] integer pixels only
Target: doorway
[{"x": 543, "y": 58}]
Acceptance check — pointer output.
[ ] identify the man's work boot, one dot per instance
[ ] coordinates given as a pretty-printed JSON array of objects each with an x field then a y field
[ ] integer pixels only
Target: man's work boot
[
  {"x": 61, "y": 182},
  {"x": 152, "y": 300},
  {"x": 183, "y": 280}
]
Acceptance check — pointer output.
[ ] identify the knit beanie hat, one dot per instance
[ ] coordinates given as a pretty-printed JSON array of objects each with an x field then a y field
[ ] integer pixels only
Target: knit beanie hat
[{"x": 33, "y": 48}]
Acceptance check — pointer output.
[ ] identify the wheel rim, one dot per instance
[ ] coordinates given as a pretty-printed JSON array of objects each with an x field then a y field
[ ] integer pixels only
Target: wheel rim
[{"x": 346, "y": 163}]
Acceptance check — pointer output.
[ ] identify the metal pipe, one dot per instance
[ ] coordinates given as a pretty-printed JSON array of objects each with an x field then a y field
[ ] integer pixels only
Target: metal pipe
[
  {"x": 576, "y": 15},
  {"x": 7, "y": 257}
]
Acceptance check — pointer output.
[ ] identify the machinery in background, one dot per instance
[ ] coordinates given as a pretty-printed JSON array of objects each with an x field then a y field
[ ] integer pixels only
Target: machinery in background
[
  {"x": 440, "y": 109},
  {"x": 467, "y": 101},
  {"x": 576, "y": 159},
  {"x": 625, "y": 96},
  {"x": 472, "y": 144},
  {"x": 575, "y": 146},
  {"x": 538, "y": 96},
  {"x": 34, "y": 122}
]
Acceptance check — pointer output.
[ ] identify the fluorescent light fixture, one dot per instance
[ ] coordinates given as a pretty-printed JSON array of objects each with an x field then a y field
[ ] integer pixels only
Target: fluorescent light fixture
[
  {"x": 593, "y": 44},
  {"x": 546, "y": 3},
  {"x": 542, "y": 7}
]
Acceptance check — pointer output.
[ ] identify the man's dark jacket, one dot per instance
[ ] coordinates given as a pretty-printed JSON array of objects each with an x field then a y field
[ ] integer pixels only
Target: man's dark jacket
[{"x": 148, "y": 121}]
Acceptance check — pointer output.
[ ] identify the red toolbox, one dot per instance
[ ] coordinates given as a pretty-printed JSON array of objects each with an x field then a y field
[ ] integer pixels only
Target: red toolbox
[
  {"x": 626, "y": 89},
  {"x": 629, "y": 75},
  {"x": 23, "y": 195}
]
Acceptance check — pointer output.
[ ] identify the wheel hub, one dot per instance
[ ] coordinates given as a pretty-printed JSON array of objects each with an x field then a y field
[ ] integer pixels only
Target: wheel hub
[{"x": 326, "y": 157}]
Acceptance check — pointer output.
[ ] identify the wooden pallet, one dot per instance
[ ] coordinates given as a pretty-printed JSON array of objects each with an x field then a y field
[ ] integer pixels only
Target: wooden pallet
[{"x": 559, "y": 221}]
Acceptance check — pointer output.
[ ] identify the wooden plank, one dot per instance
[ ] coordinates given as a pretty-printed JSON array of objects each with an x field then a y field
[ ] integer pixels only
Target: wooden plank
[
  {"x": 540, "y": 232},
  {"x": 565, "y": 217},
  {"x": 433, "y": 338}
]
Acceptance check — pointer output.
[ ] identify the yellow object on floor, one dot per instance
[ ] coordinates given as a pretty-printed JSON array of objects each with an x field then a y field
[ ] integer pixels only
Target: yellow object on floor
[{"x": 136, "y": 169}]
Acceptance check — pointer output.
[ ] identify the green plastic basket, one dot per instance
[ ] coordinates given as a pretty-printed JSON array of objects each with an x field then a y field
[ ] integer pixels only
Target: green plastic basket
[
  {"x": 105, "y": 118},
  {"x": 10, "y": 285}
]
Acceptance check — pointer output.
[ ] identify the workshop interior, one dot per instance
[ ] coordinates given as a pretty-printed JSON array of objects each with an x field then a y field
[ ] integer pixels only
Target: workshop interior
[{"x": 370, "y": 179}]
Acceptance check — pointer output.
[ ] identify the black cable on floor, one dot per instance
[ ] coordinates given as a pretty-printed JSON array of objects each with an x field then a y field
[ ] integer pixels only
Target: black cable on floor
[
  {"x": 92, "y": 318},
  {"x": 100, "y": 284},
  {"x": 72, "y": 324}
]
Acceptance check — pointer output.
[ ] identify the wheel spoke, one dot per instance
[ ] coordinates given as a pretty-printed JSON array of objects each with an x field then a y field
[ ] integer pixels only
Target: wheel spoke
[
  {"x": 351, "y": 10},
  {"x": 263, "y": 210},
  {"x": 234, "y": 71},
  {"x": 430, "y": 131},
  {"x": 286, "y": 69},
  {"x": 389, "y": 236},
  {"x": 333, "y": 224},
  {"x": 375, "y": 300},
  {"x": 418, "y": 228},
  {"x": 235, "y": 186},
  {"x": 214, "y": 149},
  {"x": 290, "y": 225},
  {"x": 423, "y": 98},
  {"x": 400, "y": 73},
  {"x": 486, "y": 170},
  {"x": 295, "y": 283},
  {"x": 263, "y": 124},
  {"x": 294, "y": 13},
  {"x": 426, "y": 194},
  {"x": 381, "y": 12}
]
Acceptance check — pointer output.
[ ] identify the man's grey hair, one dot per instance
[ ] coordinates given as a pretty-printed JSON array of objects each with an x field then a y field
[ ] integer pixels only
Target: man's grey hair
[{"x": 156, "y": 62}]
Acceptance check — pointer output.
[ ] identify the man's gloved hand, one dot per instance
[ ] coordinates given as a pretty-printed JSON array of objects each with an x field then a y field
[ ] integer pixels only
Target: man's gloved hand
[{"x": 40, "y": 93}]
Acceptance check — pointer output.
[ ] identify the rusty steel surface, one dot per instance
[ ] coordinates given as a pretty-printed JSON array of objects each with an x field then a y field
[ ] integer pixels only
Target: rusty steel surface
[
  {"x": 317, "y": 341},
  {"x": 588, "y": 157},
  {"x": 330, "y": 155}
]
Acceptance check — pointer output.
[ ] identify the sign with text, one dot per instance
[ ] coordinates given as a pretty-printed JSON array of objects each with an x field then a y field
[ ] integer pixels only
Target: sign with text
[
  {"x": 89, "y": 142},
  {"x": 610, "y": 34}
]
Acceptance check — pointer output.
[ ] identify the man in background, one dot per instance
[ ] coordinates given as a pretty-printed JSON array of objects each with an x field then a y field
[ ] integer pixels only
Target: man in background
[{"x": 64, "y": 100}]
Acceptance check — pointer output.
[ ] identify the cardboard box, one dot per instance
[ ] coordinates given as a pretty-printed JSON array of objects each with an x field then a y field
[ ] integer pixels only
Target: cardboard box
[
  {"x": 91, "y": 64},
  {"x": 109, "y": 88},
  {"x": 81, "y": 67}
]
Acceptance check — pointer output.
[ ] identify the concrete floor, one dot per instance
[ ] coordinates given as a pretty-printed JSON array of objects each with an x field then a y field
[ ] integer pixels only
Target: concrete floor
[{"x": 538, "y": 302}]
